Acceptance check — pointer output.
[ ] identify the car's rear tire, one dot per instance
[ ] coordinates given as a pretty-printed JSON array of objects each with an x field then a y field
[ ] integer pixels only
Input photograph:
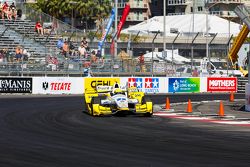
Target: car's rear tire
[
  {"x": 96, "y": 100},
  {"x": 144, "y": 101}
]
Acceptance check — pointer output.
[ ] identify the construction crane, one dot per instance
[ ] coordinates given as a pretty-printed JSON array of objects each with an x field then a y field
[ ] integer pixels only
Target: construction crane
[
  {"x": 233, "y": 52},
  {"x": 242, "y": 12}
]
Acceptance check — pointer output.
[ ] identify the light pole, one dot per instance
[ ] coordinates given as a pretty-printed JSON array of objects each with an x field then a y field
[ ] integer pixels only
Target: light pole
[
  {"x": 207, "y": 33},
  {"x": 72, "y": 15},
  {"x": 207, "y": 26},
  {"x": 164, "y": 32}
]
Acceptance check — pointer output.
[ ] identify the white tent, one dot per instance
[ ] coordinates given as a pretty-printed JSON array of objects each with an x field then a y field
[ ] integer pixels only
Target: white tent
[
  {"x": 158, "y": 56},
  {"x": 151, "y": 25},
  {"x": 186, "y": 24}
]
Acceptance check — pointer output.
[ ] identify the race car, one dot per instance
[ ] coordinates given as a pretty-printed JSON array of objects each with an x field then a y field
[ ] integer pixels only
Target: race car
[{"x": 112, "y": 100}]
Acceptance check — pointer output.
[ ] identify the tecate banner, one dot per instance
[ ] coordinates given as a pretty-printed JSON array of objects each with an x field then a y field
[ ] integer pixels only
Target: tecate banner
[
  {"x": 58, "y": 85},
  {"x": 15, "y": 85},
  {"x": 185, "y": 85},
  {"x": 221, "y": 84}
]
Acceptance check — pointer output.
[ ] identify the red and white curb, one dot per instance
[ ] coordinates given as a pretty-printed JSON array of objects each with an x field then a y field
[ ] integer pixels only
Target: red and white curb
[{"x": 202, "y": 118}]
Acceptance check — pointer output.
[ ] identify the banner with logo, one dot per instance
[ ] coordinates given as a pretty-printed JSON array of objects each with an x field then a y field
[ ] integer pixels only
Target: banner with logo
[
  {"x": 184, "y": 85},
  {"x": 147, "y": 84},
  {"x": 15, "y": 85},
  {"x": 223, "y": 84},
  {"x": 57, "y": 85},
  {"x": 91, "y": 83}
]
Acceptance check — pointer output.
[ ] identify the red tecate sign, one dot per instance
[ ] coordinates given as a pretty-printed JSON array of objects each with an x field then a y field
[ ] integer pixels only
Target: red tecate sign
[{"x": 222, "y": 84}]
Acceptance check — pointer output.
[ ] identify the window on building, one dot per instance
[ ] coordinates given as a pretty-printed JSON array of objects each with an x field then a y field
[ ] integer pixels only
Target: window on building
[
  {"x": 155, "y": 2},
  {"x": 200, "y": 8},
  {"x": 191, "y": 9}
]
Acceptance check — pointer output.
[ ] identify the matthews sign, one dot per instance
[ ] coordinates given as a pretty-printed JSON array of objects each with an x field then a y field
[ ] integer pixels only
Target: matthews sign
[{"x": 15, "y": 85}]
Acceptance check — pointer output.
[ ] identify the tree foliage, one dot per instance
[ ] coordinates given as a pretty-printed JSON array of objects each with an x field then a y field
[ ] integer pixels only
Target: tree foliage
[{"x": 89, "y": 9}]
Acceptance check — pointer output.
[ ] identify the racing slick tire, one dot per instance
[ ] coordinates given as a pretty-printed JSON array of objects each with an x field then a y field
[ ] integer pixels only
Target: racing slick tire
[
  {"x": 144, "y": 101},
  {"x": 95, "y": 100}
]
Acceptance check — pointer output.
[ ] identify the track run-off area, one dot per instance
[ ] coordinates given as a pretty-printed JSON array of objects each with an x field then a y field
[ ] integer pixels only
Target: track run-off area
[{"x": 54, "y": 131}]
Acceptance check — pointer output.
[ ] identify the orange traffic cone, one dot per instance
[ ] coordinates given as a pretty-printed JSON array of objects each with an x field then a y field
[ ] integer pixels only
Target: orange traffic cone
[
  {"x": 189, "y": 106},
  {"x": 221, "y": 111},
  {"x": 167, "y": 107},
  {"x": 231, "y": 97}
]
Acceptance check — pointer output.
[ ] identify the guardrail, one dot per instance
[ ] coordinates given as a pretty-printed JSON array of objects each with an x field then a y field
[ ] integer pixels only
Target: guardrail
[{"x": 56, "y": 65}]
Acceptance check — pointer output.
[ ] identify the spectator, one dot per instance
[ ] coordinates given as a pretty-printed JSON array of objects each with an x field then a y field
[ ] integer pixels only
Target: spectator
[
  {"x": 82, "y": 51},
  {"x": 5, "y": 10},
  {"x": 1, "y": 55},
  {"x": 59, "y": 44},
  {"x": 19, "y": 13},
  {"x": 18, "y": 53},
  {"x": 39, "y": 28},
  {"x": 93, "y": 57},
  {"x": 26, "y": 55},
  {"x": 85, "y": 43},
  {"x": 9, "y": 14},
  {"x": 13, "y": 11},
  {"x": 12, "y": 6},
  {"x": 141, "y": 62},
  {"x": 195, "y": 72},
  {"x": 65, "y": 49},
  {"x": 1, "y": 10}
]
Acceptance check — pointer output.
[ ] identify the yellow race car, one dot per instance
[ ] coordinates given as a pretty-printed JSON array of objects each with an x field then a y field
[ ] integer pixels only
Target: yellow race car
[{"x": 111, "y": 100}]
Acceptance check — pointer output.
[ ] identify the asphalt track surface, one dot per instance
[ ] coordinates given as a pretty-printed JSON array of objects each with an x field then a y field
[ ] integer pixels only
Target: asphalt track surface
[{"x": 54, "y": 132}]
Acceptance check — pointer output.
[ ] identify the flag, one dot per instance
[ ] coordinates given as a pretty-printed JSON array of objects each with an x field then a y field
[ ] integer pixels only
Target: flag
[
  {"x": 106, "y": 30},
  {"x": 119, "y": 27}
]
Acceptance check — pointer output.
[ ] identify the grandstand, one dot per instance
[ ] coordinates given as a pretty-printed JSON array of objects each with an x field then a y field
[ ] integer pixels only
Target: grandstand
[{"x": 45, "y": 59}]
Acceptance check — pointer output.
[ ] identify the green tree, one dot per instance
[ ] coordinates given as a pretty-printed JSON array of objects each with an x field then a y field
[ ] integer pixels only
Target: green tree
[{"x": 90, "y": 10}]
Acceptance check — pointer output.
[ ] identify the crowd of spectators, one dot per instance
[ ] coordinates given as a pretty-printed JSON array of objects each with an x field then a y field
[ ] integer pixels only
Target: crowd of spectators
[
  {"x": 81, "y": 53},
  {"x": 20, "y": 55},
  {"x": 8, "y": 12}
]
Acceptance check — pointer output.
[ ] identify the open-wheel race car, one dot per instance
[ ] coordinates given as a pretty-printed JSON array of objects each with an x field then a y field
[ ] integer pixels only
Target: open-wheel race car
[{"x": 111, "y": 100}]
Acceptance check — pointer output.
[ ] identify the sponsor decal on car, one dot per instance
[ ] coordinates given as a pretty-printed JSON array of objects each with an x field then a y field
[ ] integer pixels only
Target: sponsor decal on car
[{"x": 221, "y": 84}]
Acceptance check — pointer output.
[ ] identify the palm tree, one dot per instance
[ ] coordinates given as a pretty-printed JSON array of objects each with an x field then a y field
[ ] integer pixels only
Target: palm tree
[{"x": 90, "y": 10}]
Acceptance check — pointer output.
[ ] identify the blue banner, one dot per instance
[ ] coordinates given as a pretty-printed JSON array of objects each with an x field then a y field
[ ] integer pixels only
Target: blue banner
[
  {"x": 187, "y": 85},
  {"x": 106, "y": 31}
]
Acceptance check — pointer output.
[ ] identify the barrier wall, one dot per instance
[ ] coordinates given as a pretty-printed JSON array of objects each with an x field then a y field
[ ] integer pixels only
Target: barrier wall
[
  {"x": 149, "y": 85},
  {"x": 58, "y": 85}
]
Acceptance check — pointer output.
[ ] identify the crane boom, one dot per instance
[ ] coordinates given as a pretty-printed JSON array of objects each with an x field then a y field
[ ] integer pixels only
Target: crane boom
[
  {"x": 239, "y": 40},
  {"x": 233, "y": 52}
]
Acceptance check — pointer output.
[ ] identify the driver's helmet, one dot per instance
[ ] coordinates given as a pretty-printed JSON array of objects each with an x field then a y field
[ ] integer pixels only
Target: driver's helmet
[{"x": 117, "y": 91}]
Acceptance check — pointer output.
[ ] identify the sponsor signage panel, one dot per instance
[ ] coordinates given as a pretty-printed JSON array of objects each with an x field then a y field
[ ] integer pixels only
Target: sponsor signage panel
[
  {"x": 223, "y": 84},
  {"x": 185, "y": 85},
  {"x": 148, "y": 84},
  {"x": 58, "y": 85},
  {"x": 92, "y": 83},
  {"x": 15, "y": 85}
]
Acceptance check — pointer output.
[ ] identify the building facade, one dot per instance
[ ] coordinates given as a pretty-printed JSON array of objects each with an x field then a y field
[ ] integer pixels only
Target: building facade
[
  {"x": 139, "y": 11},
  {"x": 221, "y": 8}
]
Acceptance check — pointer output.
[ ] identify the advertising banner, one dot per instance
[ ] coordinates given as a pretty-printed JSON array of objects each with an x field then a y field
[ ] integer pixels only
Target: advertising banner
[
  {"x": 57, "y": 85},
  {"x": 148, "y": 84},
  {"x": 15, "y": 85},
  {"x": 91, "y": 83},
  {"x": 223, "y": 84},
  {"x": 184, "y": 85}
]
